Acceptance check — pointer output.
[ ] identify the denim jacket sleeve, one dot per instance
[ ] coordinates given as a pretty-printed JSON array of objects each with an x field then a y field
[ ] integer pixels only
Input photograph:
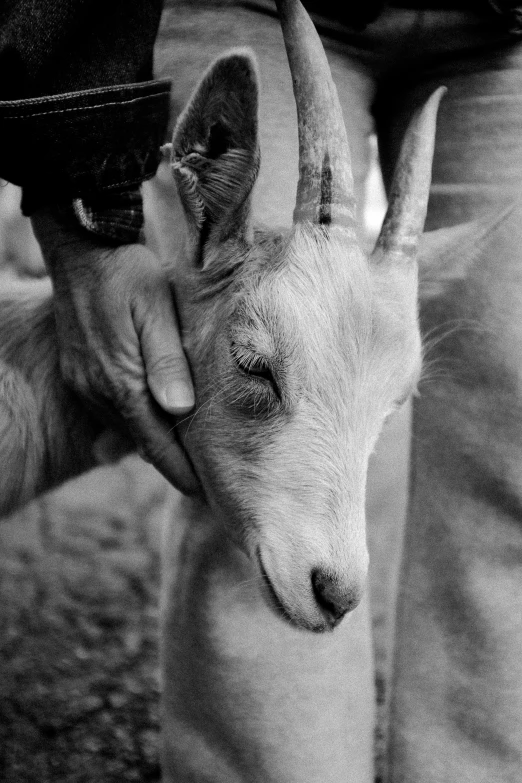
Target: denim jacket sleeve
[{"x": 80, "y": 114}]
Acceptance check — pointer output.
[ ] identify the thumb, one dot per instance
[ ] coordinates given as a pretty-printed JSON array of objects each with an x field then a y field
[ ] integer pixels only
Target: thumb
[{"x": 166, "y": 366}]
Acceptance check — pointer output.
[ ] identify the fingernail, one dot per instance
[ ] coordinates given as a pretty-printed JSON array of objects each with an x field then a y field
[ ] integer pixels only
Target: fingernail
[{"x": 179, "y": 396}]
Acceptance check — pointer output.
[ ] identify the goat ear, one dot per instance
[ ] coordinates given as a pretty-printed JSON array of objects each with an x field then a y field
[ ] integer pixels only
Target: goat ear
[
  {"x": 445, "y": 256},
  {"x": 215, "y": 149}
]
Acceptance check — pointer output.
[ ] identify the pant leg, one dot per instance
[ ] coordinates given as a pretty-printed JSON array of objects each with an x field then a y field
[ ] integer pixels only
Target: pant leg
[{"x": 456, "y": 711}]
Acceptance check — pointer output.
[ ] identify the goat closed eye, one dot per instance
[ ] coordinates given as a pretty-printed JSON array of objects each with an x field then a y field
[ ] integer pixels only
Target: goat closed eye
[
  {"x": 254, "y": 366},
  {"x": 251, "y": 363}
]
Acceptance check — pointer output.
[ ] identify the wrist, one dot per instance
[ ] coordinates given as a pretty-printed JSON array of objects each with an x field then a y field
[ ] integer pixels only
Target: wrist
[
  {"x": 73, "y": 252},
  {"x": 113, "y": 217},
  {"x": 88, "y": 228},
  {"x": 69, "y": 249}
]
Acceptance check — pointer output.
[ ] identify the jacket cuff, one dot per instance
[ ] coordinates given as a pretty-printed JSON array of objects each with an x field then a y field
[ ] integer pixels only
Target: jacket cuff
[
  {"x": 76, "y": 145},
  {"x": 115, "y": 216}
]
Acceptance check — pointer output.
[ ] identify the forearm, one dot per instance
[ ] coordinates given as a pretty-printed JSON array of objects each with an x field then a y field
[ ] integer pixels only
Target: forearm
[{"x": 80, "y": 158}]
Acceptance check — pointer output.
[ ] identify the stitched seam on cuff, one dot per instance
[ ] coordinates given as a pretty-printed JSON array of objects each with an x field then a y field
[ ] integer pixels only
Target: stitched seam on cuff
[
  {"x": 150, "y": 88},
  {"x": 137, "y": 180},
  {"x": 85, "y": 109}
]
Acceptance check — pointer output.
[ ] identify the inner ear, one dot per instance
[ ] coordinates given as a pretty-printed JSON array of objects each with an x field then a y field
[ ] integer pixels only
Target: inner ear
[
  {"x": 219, "y": 140},
  {"x": 446, "y": 255},
  {"x": 215, "y": 149}
]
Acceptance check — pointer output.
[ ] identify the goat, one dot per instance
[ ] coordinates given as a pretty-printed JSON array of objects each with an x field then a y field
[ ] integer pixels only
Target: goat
[{"x": 300, "y": 348}]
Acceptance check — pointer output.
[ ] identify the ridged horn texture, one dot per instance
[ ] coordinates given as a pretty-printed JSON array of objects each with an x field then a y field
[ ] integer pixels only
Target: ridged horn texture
[
  {"x": 325, "y": 193},
  {"x": 410, "y": 189}
]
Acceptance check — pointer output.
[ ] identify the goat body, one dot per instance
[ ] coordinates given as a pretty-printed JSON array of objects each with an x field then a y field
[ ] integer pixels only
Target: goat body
[{"x": 46, "y": 435}]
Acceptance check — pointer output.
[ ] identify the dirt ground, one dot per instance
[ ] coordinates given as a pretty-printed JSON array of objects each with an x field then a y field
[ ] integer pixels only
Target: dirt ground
[{"x": 79, "y": 577}]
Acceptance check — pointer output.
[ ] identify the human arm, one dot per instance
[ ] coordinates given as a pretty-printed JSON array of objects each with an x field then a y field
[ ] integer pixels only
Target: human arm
[{"x": 81, "y": 136}]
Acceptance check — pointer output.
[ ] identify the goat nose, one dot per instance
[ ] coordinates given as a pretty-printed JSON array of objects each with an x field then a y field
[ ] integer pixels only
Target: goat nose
[{"x": 334, "y": 595}]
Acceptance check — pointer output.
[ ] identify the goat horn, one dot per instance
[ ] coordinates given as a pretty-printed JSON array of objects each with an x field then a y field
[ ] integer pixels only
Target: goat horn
[
  {"x": 410, "y": 188},
  {"x": 325, "y": 193}
]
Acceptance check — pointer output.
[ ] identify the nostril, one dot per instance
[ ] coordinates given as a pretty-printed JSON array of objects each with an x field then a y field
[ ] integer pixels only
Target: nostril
[{"x": 334, "y": 595}]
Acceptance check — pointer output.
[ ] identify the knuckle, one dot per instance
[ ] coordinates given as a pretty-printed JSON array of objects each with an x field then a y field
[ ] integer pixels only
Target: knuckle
[
  {"x": 128, "y": 402},
  {"x": 88, "y": 381},
  {"x": 153, "y": 447},
  {"x": 153, "y": 441},
  {"x": 154, "y": 451},
  {"x": 168, "y": 364}
]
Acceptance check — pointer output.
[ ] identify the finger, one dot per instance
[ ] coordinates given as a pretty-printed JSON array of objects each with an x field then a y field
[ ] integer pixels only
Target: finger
[
  {"x": 111, "y": 446},
  {"x": 166, "y": 366},
  {"x": 155, "y": 437}
]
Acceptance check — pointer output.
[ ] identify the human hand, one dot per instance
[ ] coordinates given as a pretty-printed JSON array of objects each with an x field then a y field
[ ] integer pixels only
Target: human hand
[{"x": 120, "y": 348}]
